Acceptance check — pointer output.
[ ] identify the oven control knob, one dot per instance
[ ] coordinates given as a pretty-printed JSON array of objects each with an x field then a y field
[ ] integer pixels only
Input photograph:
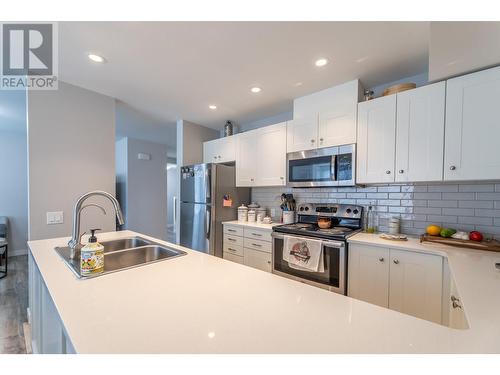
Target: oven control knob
[
  {"x": 301, "y": 208},
  {"x": 307, "y": 208},
  {"x": 355, "y": 211},
  {"x": 348, "y": 210}
]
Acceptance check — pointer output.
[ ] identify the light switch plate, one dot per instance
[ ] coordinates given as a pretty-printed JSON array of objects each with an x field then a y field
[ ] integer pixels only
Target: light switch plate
[{"x": 55, "y": 217}]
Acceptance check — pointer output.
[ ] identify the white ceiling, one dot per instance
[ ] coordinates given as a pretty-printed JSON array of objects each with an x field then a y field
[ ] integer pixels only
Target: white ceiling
[{"x": 173, "y": 70}]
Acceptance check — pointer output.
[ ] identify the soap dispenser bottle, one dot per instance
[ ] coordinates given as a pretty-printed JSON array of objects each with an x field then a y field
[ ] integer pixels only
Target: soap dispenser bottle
[{"x": 92, "y": 256}]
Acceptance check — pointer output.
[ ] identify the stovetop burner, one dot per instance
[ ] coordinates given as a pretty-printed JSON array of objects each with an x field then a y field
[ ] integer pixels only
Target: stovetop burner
[{"x": 313, "y": 229}]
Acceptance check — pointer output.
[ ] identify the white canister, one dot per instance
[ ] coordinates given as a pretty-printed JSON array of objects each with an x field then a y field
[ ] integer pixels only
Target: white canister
[
  {"x": 288, "y": 217},
  {"x": 251, "y": 216},
  {"x": 242, "y": 213},
  {"x": 394, "y": 225}
]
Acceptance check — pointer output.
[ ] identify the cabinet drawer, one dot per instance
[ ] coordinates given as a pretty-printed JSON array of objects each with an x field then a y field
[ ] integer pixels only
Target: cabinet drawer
[
  {"x": 234, "y": 230},
  {"x": 229, "y": 239},
  {"x": 258, "y": 234},
  {"x": 257, "y": 245},
  {"x": 233, "y": 249},
  {"x": 258, "y": 259},
  {"x": 233, "y": 258}
]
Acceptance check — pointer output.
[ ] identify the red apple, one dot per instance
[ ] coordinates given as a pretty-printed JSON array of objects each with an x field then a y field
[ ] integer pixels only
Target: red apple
[{"x": 475, "y": 236}]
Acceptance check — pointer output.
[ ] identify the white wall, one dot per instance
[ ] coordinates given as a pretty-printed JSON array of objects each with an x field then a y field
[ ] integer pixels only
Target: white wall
[
  {"x": 190, "y": 138},
  {"x": 144, "y": 189},
  {"x": 71, "y": 150},
  {"x": 459, "y": 47},
  {"x": 13, "y": 170},
  {"x": 135, "y": 124}
]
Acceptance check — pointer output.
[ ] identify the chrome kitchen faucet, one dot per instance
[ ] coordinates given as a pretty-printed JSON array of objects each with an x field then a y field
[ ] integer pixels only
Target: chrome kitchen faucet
[{"x": 74, "y": 243}]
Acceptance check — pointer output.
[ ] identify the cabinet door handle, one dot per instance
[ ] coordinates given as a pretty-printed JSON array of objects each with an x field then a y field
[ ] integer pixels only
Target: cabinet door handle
[
  {"x": 232, "y": 239},
  {"x": 321, "y": 139},
  {"x": 257, "y": 234},
  {"x": 387, "y": 172},
  {"x": 396, "y": 261},
  {"x": 401, "y": 171},
  {"x": 231, "y": 249},
  {"x": 452, "y": 168},
  {"x": 256, "y": 244},
  {"x": 312, "y": 141},
  {"x": 268, "y": 262},
  {"x": 455, "y": 302},
  {"x": 380, "y": 259},
  {"x": 231, "y": 230}
]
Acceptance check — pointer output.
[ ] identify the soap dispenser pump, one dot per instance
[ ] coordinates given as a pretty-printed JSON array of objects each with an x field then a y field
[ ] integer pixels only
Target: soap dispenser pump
[{"x": 92, "y": 256}]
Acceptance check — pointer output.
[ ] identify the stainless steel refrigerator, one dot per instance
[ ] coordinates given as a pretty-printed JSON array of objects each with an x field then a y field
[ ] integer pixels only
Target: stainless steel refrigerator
[{"x": 202, "y": 209}]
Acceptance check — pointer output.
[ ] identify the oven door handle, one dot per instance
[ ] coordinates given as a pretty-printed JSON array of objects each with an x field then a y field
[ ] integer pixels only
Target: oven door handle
[{"x": 330, "y": 243}]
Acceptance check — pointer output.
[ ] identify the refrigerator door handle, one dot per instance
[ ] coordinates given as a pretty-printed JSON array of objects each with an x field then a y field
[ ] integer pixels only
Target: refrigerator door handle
[
  {"x": 208, "y": 185},
  {"x": 207, "y": 221},
  {"x": 174, "y": 204}
]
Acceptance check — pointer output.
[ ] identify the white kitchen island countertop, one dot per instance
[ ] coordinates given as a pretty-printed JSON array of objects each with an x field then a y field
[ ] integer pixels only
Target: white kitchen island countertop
[{"x": 202, "y": 304}]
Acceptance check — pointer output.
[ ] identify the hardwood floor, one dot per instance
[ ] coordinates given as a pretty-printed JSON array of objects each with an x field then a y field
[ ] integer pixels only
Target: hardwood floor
[{"x": 13, "y": 305}]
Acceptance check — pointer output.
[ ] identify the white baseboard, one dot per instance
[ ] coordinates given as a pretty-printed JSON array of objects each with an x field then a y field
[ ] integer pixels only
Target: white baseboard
[{"x": 15, "y": 253}]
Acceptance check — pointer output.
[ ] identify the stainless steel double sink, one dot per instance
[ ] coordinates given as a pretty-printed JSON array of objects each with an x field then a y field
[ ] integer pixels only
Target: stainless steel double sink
[{"x": 122, "y": 254}]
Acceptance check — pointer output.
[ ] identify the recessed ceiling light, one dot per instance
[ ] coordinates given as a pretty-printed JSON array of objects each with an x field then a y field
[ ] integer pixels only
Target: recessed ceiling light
[
  {"x": 255, "y": 90},
  {"x": 212, "y": 107},
  {"x": 96, "y": 58},
  {"x": 298, "y": 84},
  {"x": 321, "y": 62}
]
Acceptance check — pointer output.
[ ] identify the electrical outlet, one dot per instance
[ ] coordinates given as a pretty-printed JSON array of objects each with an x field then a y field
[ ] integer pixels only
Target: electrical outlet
[{"x": 56, "y": 217}]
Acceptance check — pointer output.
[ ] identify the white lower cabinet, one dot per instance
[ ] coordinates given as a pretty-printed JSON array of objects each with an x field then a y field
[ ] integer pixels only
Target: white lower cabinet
[
  {"x": 405, "y": 281},
  {"x": 415, "y": 284},
  {"x": 368, "y": 275},
  {"x": 47, "y": 332},
  {"x": 257, "y": 259},
  {"x": 247, "y": 245}
]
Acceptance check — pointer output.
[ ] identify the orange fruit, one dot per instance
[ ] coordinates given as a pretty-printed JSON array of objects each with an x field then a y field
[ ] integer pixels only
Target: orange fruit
[{"x": 433, "y": 230}]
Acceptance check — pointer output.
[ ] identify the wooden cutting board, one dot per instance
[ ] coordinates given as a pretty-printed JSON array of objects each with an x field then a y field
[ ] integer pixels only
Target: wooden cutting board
[{"x": 489, "y": 245}]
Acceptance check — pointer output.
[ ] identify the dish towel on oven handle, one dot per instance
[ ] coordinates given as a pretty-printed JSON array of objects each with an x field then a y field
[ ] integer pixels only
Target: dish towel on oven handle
[{"x": 303, "y": 254}]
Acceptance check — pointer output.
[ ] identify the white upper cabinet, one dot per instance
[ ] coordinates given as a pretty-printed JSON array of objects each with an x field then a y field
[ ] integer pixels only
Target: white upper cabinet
[
  {"x": 221, "y": 150},
  {"x": 302, "y": 133},
  {"x": 246, "y": 158},
  {"x": 324, "y": 119},
  {"x": 271, "y": 156},
  {"x": 261, "y": 157},
  {"x": 376, "y": 140},
  {"x": 420, "y": 134},
  {"x": 473, "y": 127}
]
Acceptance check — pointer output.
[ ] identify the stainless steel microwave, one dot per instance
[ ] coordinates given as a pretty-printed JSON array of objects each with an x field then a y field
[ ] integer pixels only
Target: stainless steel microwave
[{"x": 329, "y": 166}]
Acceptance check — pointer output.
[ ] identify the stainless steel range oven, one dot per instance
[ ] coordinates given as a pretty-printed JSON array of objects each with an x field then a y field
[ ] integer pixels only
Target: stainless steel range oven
[
  {"x": 332, "y": 278},
  {"x": 345, "y": 221},
  {"x": 330, "y": 166}
]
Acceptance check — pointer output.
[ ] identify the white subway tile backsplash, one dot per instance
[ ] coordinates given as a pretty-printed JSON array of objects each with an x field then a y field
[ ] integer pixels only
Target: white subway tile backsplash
[
  {"x": 487, "y": 213},
  {"x": 475, "y": 204},
  {"x": 442, "y": 188},
  {"x": 475, "y": 220},
  {"x": 427, "y": 210},
  {"x": 461, "y": 206},
  {"x": 459, "y": 196},
  {"x": 458, "y": 211},
  {"x": 488, "y": 196},
  {"x": 442, "y": 219},
  {"x": 427, "y": 196},
  {"x": 477, "y": 188},
  {"x": 449, "y": 204}
]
